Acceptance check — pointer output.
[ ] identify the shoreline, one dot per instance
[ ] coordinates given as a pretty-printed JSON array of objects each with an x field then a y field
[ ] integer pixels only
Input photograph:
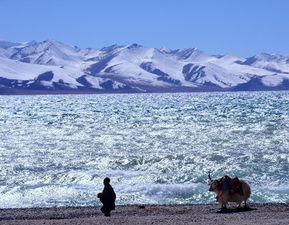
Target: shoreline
[
  {"x": 24, "y": 92},
  {"x": 257, "y": 213}
]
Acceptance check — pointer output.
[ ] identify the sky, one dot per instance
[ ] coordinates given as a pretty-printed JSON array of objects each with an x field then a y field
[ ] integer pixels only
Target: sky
[{"x": 240, "y": 27}]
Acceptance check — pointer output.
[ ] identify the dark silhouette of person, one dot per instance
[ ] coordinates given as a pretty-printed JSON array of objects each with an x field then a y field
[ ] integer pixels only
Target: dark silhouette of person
[{"x": 107, "y": 197}]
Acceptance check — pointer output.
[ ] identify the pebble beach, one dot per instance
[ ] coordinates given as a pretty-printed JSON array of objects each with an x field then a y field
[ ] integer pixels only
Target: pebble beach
[{"x": 262, "y": 213}]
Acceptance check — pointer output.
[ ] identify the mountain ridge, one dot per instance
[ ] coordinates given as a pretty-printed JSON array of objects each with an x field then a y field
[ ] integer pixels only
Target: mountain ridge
[{"x": 54, "y": 67}]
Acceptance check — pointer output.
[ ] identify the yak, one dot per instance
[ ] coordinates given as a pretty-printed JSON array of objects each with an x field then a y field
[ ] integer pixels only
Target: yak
[{"x": 230, "y": 190}]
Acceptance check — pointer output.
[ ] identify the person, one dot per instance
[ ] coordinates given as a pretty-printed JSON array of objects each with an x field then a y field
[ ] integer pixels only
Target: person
[
  {"x": 232, "y": 184},
  {"x": 226, "y": 183},
  {"x": 107, "y": 198}
]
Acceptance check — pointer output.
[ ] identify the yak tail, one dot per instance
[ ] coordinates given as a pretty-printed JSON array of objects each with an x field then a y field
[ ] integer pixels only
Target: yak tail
[{"x": 246, "y": 190}]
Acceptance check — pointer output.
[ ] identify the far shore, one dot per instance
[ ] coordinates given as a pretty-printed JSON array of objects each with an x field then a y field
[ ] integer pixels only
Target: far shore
[
  {"x": 257, "y": 213},
  {"x": 13, "y": 92}
]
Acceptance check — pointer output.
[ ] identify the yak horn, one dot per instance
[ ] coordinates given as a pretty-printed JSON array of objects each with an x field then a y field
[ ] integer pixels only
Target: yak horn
[{"x": 209, "y": 175}]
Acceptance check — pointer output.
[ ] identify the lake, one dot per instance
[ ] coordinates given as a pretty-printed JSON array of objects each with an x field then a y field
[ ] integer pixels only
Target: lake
[{"x": 156, "y": 148}]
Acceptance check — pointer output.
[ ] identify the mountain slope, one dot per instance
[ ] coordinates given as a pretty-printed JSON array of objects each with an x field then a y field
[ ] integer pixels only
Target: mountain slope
[{"x": 53, "y": 66}]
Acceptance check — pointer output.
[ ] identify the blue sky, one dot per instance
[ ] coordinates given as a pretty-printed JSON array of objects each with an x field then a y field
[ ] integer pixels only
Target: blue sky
[{"x": 242, "y": 27}]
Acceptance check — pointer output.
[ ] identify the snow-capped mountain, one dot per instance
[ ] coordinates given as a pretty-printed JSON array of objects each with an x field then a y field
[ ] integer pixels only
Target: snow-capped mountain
[{"x": 51, "y": 66}]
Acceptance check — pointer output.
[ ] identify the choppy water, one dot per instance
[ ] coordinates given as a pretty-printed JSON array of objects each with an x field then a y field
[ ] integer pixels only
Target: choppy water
[{"x": 156, "y": 148}]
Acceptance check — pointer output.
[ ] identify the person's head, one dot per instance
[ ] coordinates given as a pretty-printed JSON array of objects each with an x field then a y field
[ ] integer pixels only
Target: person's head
[{"x": 106, "y": 181}]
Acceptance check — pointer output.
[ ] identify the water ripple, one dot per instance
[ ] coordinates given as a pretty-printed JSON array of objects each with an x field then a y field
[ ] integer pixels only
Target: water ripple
[{"x": 157, "y": 148}]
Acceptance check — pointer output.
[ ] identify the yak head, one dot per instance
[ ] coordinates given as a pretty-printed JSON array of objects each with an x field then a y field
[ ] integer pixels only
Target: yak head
[{"x": 215, "y": 184}]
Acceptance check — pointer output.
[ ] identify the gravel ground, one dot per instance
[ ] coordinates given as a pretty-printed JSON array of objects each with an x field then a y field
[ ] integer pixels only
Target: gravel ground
[{"x": 269, "y": 213}]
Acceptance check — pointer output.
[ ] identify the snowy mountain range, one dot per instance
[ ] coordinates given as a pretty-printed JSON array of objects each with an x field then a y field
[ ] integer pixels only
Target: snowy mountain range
[{"x": 53, "y": 67}]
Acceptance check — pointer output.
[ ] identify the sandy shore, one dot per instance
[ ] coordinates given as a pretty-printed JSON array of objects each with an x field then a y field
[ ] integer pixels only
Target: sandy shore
[{"x": 150, "y": 214}]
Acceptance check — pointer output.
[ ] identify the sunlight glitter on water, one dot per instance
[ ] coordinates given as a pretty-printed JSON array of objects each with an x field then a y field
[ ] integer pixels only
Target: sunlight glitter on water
[{"x": 157, "y": 148}]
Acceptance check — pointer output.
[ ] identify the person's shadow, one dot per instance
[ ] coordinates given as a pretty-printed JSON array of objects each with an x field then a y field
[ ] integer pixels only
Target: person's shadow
[{"x": 236, "y": 210}]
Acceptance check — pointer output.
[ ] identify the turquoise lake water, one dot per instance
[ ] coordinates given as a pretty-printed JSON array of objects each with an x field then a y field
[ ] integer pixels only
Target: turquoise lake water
[{"x": 156, "y": 148}]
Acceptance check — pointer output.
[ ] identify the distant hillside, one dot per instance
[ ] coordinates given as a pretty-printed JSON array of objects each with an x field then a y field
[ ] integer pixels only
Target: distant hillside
[{"x": 53, "y": 67}]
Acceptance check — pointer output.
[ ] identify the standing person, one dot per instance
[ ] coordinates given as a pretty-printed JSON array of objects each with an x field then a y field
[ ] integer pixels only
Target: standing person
[{"x": 107, "y": 197}]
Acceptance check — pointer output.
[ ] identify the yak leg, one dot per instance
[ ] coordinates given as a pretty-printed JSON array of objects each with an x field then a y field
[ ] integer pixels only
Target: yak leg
[
  {"x": 239, "y": 204},
  {"x": 245, "y": 206}
]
